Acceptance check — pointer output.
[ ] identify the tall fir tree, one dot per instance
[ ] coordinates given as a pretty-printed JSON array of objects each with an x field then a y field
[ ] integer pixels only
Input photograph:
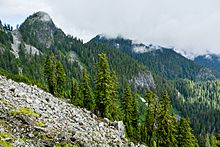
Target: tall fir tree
[
  {"x": 52, "y": 81},
  {"x": 86, "y": 92},
  {"x": 47, "y": 67},
  {"x": 213, "y": 141},
  {"x": 185, "y": 135},
  {"x": 76, "y": 98},
  {"x": 166, "y": 124},
  {"x": 127, "y": 110},
  {"x": 115, "y": 108},
  {"x": 148, "y": 134},
  {"x": 135, "y": 117},
  {"x": 1, "y": 26},
  {"x": 103, "y": 88},
  {"x": 49, "y": 73},
  {"x": 60, "y": 78}
]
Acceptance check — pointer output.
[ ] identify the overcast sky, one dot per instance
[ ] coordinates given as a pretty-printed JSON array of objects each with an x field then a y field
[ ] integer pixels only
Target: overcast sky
[{"x": 190, "y": 25}]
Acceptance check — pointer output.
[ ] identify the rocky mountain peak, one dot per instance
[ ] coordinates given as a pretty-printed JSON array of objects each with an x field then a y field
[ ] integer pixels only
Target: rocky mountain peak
[
  {"x": 39, "y": 16},
  {"x": 43, "y": 16},
  {"x": 39, "y": 30}
]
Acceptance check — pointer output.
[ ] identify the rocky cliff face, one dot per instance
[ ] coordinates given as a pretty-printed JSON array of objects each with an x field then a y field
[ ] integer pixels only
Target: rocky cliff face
[
  {"x": 40, "y": 29},
  {"x": 31, "y": 117},
  {"x": 144, "y": 80},
  {"x": 17, "y": 41}
]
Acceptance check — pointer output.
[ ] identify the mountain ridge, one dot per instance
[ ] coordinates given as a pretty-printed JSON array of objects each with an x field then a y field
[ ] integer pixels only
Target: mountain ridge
[
  {"x": 142, "y": 66},
  {"x": 156, "y": 58}
]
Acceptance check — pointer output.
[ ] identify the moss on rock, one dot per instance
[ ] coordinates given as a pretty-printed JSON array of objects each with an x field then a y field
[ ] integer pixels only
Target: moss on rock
[
  {"x": 5, "y": 143},
  {"x": 24, "y": 111}
]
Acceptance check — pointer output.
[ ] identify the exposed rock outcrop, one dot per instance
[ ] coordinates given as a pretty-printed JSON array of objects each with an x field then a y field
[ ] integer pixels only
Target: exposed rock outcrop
[
  {"x": 17, "y": 39},
  {"x": 31, "y": 117},
  {"x": 144, "y": 80},
  {"x": 40, "y": 28}
]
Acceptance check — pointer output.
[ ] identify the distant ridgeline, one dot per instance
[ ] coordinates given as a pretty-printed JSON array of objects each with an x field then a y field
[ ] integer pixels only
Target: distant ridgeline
[{"x": 108, "y": 74}]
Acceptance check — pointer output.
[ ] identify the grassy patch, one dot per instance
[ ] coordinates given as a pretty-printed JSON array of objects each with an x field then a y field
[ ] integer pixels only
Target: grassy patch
[
  {"x": 40, "y": 124},
  {"x": 24, "y": 111},
  {"x": 5, "y": 143},
  {"x": 5, "y": 135},
  {"x": 5, "y": 125},
  {"x": 65, "y": 145},
  {"x": 44, "y": 137}
]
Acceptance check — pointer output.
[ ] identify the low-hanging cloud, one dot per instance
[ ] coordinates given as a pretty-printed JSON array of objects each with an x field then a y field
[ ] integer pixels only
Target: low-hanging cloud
[{"x": 192, "y": 26}]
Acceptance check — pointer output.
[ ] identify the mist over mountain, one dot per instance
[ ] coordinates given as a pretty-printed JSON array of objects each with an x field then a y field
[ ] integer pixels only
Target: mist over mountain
[
  {"x": 188, "y": 26},
  {"x": 128, "y": 84},
  {"x": 166, "y": 62}
]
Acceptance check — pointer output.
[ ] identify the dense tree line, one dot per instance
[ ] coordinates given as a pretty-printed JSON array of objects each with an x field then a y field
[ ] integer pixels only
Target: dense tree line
[
  {"x": 55, "y": 76},
  {"x": 163, "y": 62},
  {"x": 160, "y": 127},
  {"x": 198, "y": 100}
]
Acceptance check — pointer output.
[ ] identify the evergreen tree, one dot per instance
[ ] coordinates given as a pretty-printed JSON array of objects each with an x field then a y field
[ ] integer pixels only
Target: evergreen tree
[
  {"x": 49, "y": 73},
  {"x": 75, "y": 93},
  {"x": 103, "y": 88},
  {"x": 61, "y": 79},
  {"x": 135, "y": 113},
  {"x": 1, "y": 26},
  {"x": 135, "y": 117},
  {"x": 115, "y": 114},
  {"x": 207, "y": 141},
  {"x": 86, "y": 92},
  {"x": 22, "y": 53},
  {"x": 213, "y": 141},
  {"x": 127, "y": 110},
  {"x": 52, "y": 81},
  {"x": 47, "y": 67},
  {"x": 185, "y": 136},
  {"x": 166, "y": 124},
  {"x": 148, "y": 135}
]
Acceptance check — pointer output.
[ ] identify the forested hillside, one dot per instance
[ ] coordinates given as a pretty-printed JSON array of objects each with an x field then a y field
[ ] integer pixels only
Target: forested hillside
[
  {"x": 162, "y": 61},
  {"x": 193, "y": 88},
  {"x": 209, "y": 60},
  {"x": 153, "y": 91}
]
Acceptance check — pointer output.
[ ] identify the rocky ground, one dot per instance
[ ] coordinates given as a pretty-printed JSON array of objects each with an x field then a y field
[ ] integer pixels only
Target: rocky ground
[{"x": 31, "y": 117}]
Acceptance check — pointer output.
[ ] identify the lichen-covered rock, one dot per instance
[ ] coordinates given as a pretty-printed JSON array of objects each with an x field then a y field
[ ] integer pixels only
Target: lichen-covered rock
[{"x": 31, "y": 117}]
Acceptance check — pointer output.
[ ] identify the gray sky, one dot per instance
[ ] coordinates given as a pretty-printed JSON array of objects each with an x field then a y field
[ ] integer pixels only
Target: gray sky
[{"x": 189, "y": 25}]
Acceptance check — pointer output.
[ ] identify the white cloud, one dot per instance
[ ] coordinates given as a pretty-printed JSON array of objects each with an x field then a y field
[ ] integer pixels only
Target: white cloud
[
  {"x": 14, "y": 12},
  {"x": 192, "y": 26}
]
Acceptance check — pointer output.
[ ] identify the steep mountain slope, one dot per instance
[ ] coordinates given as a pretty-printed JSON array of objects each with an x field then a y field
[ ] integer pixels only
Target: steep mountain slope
[
  {"x": 23, "y": 53},
  {"x": 193, "y": 88},
  {"x": 162, "y": 61},
  {"x": 38, "y": 37},
  {"x": 209, "y": 60},
  {"x": 31, "y": 117},
  {"x": 200, "y": 101},
  {"x": 126, "y": 67},
  {"x": 45, "y": 36},
  {"x": 40, "y": 31},
  {"x": 18, "y": 42}
]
